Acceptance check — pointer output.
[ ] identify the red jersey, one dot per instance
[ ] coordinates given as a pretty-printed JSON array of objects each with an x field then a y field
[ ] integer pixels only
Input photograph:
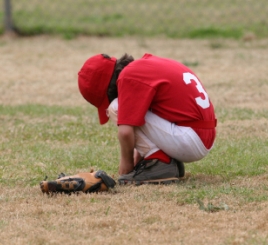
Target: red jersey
[{"x": 167, "y": 88}]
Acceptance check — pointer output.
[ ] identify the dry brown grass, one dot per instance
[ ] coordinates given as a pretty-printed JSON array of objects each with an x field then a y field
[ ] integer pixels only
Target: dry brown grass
[
  {"x": 44, "y": 69},
  {"x": 121, "y": 217}
]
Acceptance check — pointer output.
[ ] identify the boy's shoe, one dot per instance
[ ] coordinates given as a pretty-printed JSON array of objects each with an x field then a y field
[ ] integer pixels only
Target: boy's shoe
[{"x": 153, "y": 171}]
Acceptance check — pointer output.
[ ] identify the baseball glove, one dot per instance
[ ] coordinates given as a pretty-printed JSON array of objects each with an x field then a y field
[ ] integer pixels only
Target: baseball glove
[{"x": 87, "y": 182}]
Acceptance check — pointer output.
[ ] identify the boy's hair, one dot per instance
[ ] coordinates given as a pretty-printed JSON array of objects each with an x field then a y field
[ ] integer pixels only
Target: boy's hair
[{"x": 121, "y": 63}]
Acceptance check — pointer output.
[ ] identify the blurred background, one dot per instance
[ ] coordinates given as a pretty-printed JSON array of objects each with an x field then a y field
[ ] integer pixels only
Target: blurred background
[{"x": 168, "y": 18}]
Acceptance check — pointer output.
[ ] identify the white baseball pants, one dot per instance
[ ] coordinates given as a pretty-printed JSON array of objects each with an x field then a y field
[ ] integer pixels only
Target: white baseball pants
[{"x": 181, "y": 143}]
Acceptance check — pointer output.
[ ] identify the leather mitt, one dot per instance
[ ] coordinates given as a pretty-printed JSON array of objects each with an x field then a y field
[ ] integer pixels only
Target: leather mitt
[{"x": 86, "y": 182}]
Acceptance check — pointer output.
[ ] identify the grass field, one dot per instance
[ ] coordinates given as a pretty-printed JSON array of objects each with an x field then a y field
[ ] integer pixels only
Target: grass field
[
  {"x": 47, "y": 128},
  {"x": 184, "y": 19}
]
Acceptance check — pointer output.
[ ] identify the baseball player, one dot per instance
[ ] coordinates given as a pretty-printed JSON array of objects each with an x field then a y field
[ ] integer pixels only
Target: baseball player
[{"x": 162, "y": 110}]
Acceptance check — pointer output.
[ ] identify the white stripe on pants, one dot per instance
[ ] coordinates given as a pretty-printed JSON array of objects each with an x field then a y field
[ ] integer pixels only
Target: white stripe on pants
[{"x": 181, "y": 143}]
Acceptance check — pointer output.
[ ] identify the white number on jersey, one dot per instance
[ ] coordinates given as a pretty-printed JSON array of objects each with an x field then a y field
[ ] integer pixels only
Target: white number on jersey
[{"x": 204, "y": 103}]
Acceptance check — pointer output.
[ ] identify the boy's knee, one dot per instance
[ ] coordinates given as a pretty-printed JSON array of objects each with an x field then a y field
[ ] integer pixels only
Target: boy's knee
[{"x": 113, "y": 110}]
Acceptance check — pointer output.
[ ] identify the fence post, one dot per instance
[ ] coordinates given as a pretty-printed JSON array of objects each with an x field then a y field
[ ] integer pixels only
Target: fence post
[{"x": 8, "y": 24}]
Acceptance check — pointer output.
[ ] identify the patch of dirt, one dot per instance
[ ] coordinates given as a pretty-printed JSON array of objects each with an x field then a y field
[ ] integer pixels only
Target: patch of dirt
[
  {"x": 44, "y": 69},
  {"x": 121, "y": 216}
]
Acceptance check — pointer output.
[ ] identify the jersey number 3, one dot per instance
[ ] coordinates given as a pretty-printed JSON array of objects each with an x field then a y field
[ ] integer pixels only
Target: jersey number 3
[{"x": 188, "y": 78}]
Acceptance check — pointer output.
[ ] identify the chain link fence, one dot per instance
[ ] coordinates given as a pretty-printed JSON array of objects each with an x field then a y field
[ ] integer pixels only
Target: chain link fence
[{"x": 170, "y": 18}]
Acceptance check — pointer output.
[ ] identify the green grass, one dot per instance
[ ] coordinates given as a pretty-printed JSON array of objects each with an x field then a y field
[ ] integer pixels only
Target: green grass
[
  {"x": 175, "y": 19},
  {"x": 39, "y": 141},
  {"x": 241, "y": 114}
]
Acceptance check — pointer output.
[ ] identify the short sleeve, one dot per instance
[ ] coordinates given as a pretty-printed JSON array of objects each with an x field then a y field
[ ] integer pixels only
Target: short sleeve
[{"x": 134, "y": 100}]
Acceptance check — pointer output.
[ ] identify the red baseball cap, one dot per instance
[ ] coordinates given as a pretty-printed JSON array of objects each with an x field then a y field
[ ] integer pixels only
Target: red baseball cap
[{"x": 93, "y": 81}]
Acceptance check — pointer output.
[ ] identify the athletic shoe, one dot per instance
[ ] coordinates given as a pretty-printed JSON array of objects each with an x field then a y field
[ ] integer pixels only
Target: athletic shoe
[{"x": 153, "y": 171}]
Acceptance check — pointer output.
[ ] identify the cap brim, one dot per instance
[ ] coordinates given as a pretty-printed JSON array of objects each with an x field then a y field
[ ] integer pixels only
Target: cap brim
[{"x": 103, "y": 118}]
